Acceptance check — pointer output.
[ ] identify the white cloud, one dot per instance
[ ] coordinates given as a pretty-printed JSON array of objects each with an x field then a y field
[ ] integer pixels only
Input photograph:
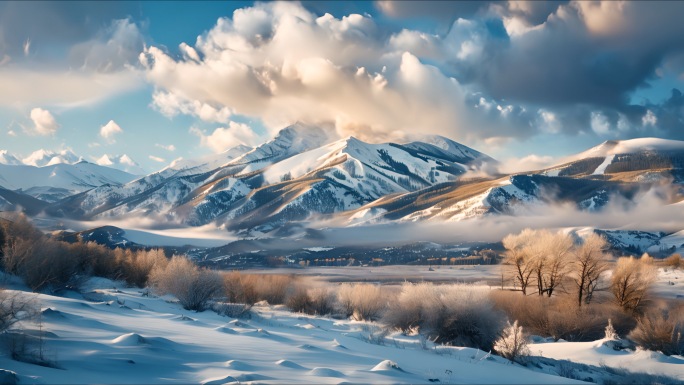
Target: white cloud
[
  {"x": 343, "y": 71},
  {"x": 550, "y": 122},
  {"x": 528, "y": 163},
  {"x": 224, "y": 138},
  {"x": 171, "y": 104},
  {"x": 649, "y": 119},
  {"x": 11, "y": 133},
  {"x": 27, "y": 47},
  {"x": 109, "y": 130},
  {"x": 599, "y": 123},
  {"x": 115, "y": 48},
  {"x": 170, "y": 147},
  {"x": 157, "y": 159},
  {"x": 63, "y": 88},
  {"x": 44, "y": 122}
]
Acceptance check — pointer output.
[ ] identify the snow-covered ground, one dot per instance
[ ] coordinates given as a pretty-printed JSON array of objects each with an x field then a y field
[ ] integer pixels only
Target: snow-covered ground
[{"x": 113, "y": 334}]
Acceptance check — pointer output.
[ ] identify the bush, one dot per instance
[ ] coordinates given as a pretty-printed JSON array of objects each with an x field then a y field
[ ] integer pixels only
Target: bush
[
  {"x": 14, "y": 308},
  {"x": 193, "y": 287},
  {"x": 363, "y": 301},
  {"x": 321, "y": 301},
  {"x": 512, "y": 344},
  {"x": 560, "y": 318},
  {"x": 298, "y": 300},
  {"x": 660, "y": 330},
  {"x": 461, "y": 315},
  {"x": 674, "y": 261},
  {"x": 42, "y": 262},
  {"x": 233, "y": 310},
  {"x": 253, "y": 288},
  {"x": 136, "y": 266}
]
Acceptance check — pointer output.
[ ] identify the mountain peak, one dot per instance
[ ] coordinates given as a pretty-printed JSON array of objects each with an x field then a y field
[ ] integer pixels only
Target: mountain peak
[
  {"x": 42, "y": 157},
  {"x": 120, "y": 162},
  {"x": 630, "y": 146},
  {"x": 9, "y": 159}
]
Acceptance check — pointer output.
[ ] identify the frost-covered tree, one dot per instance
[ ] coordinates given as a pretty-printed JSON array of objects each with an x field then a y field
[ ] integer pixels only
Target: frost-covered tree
[
  {"x": 518, "y": 257},
  {"x": 540, "y": 257},
  {"x": 512, "y": 344},
  {"x": 590, "y": 262},
  {"x": 631, "y": 281}
]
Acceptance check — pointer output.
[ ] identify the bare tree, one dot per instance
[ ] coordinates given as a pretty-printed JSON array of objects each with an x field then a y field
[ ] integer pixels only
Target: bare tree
[
  {"x": 631, "y": 281},
  {"x": 556, "y": 250},
  {"x": 518, "y": 258},
  {"x": 590, "y": 263},
  {"x": 538, "y": 256}
]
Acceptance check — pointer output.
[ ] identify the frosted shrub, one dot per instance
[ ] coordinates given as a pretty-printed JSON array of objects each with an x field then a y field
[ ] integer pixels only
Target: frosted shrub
[
  {"x": 512, "y": 344},
  {"x": 611, "y": 334},
  {"x": 461, "y": 315},
  {"x": 660, "y": 330},
  {"x": 363, "y": 302},
  {"x": 193, "y": 287}
]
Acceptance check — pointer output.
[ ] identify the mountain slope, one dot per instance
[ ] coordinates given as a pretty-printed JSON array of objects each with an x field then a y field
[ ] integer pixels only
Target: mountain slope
[
  {"x": 60, "y": 179},
  {"x": 297, "y": 175},
  {"x": 636, "y": 160}
]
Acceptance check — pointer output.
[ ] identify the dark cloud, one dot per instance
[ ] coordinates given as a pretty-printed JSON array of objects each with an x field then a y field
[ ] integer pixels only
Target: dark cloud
[
  {"x": 442, "y": 10},
  {"x": 54, "y": 26}
]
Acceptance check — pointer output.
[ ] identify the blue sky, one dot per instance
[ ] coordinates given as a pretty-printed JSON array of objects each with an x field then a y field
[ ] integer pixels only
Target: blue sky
[{"x": 526, "y": 82}]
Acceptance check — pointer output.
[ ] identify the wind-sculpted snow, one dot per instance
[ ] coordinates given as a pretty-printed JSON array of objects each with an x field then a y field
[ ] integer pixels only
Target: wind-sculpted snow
[{"x": 111, "y": 334}]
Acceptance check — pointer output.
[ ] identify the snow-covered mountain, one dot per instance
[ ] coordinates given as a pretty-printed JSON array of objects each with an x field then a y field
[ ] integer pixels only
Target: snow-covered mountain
[
  {"x": 9, "y": 159},
  {"x": 300, "y": 173},
  {"x": 305, "y": 175},
  {"x": 56, "y": 181},
  {"x": 41, "y": 158},
  {"x": 206, "y": 163},
  {"x": 637, "y": 160},
  {"x": 121, "y": 162}
]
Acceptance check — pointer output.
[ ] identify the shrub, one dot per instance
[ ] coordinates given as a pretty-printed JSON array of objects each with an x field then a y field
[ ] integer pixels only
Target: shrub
[
  {"x": 136, "y": 266},
  {"x": 512, "y": 344},
  {"x": 674, "y": 261},
  {"x": 559, "y": 317},
  {"x": 298, "y": 300},
  {"x": 193, "y": 286},
  {"x": 631, "y": 281},
  {"x": 239, "y": 289},
  {"x": 321, "y": 301},
  {"x": 14, "y": 308},
  {"x": 253, "y": 288},
  {"x": 456, "y": 314},
  {"x": 660, "y": 330},
  {"x": 368, "y": 302}
]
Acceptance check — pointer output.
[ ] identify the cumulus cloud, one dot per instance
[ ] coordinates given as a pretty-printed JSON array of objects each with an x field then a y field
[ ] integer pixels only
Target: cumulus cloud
[
  {"x": 344, "y": 71},
  {"x": 44, "y": 122},
  {"x": 171, "y": 104},
  {"x": 109, "y": 130},
  {"x": 502, "y": 69},
  {"x": 224, "y": 138}
]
